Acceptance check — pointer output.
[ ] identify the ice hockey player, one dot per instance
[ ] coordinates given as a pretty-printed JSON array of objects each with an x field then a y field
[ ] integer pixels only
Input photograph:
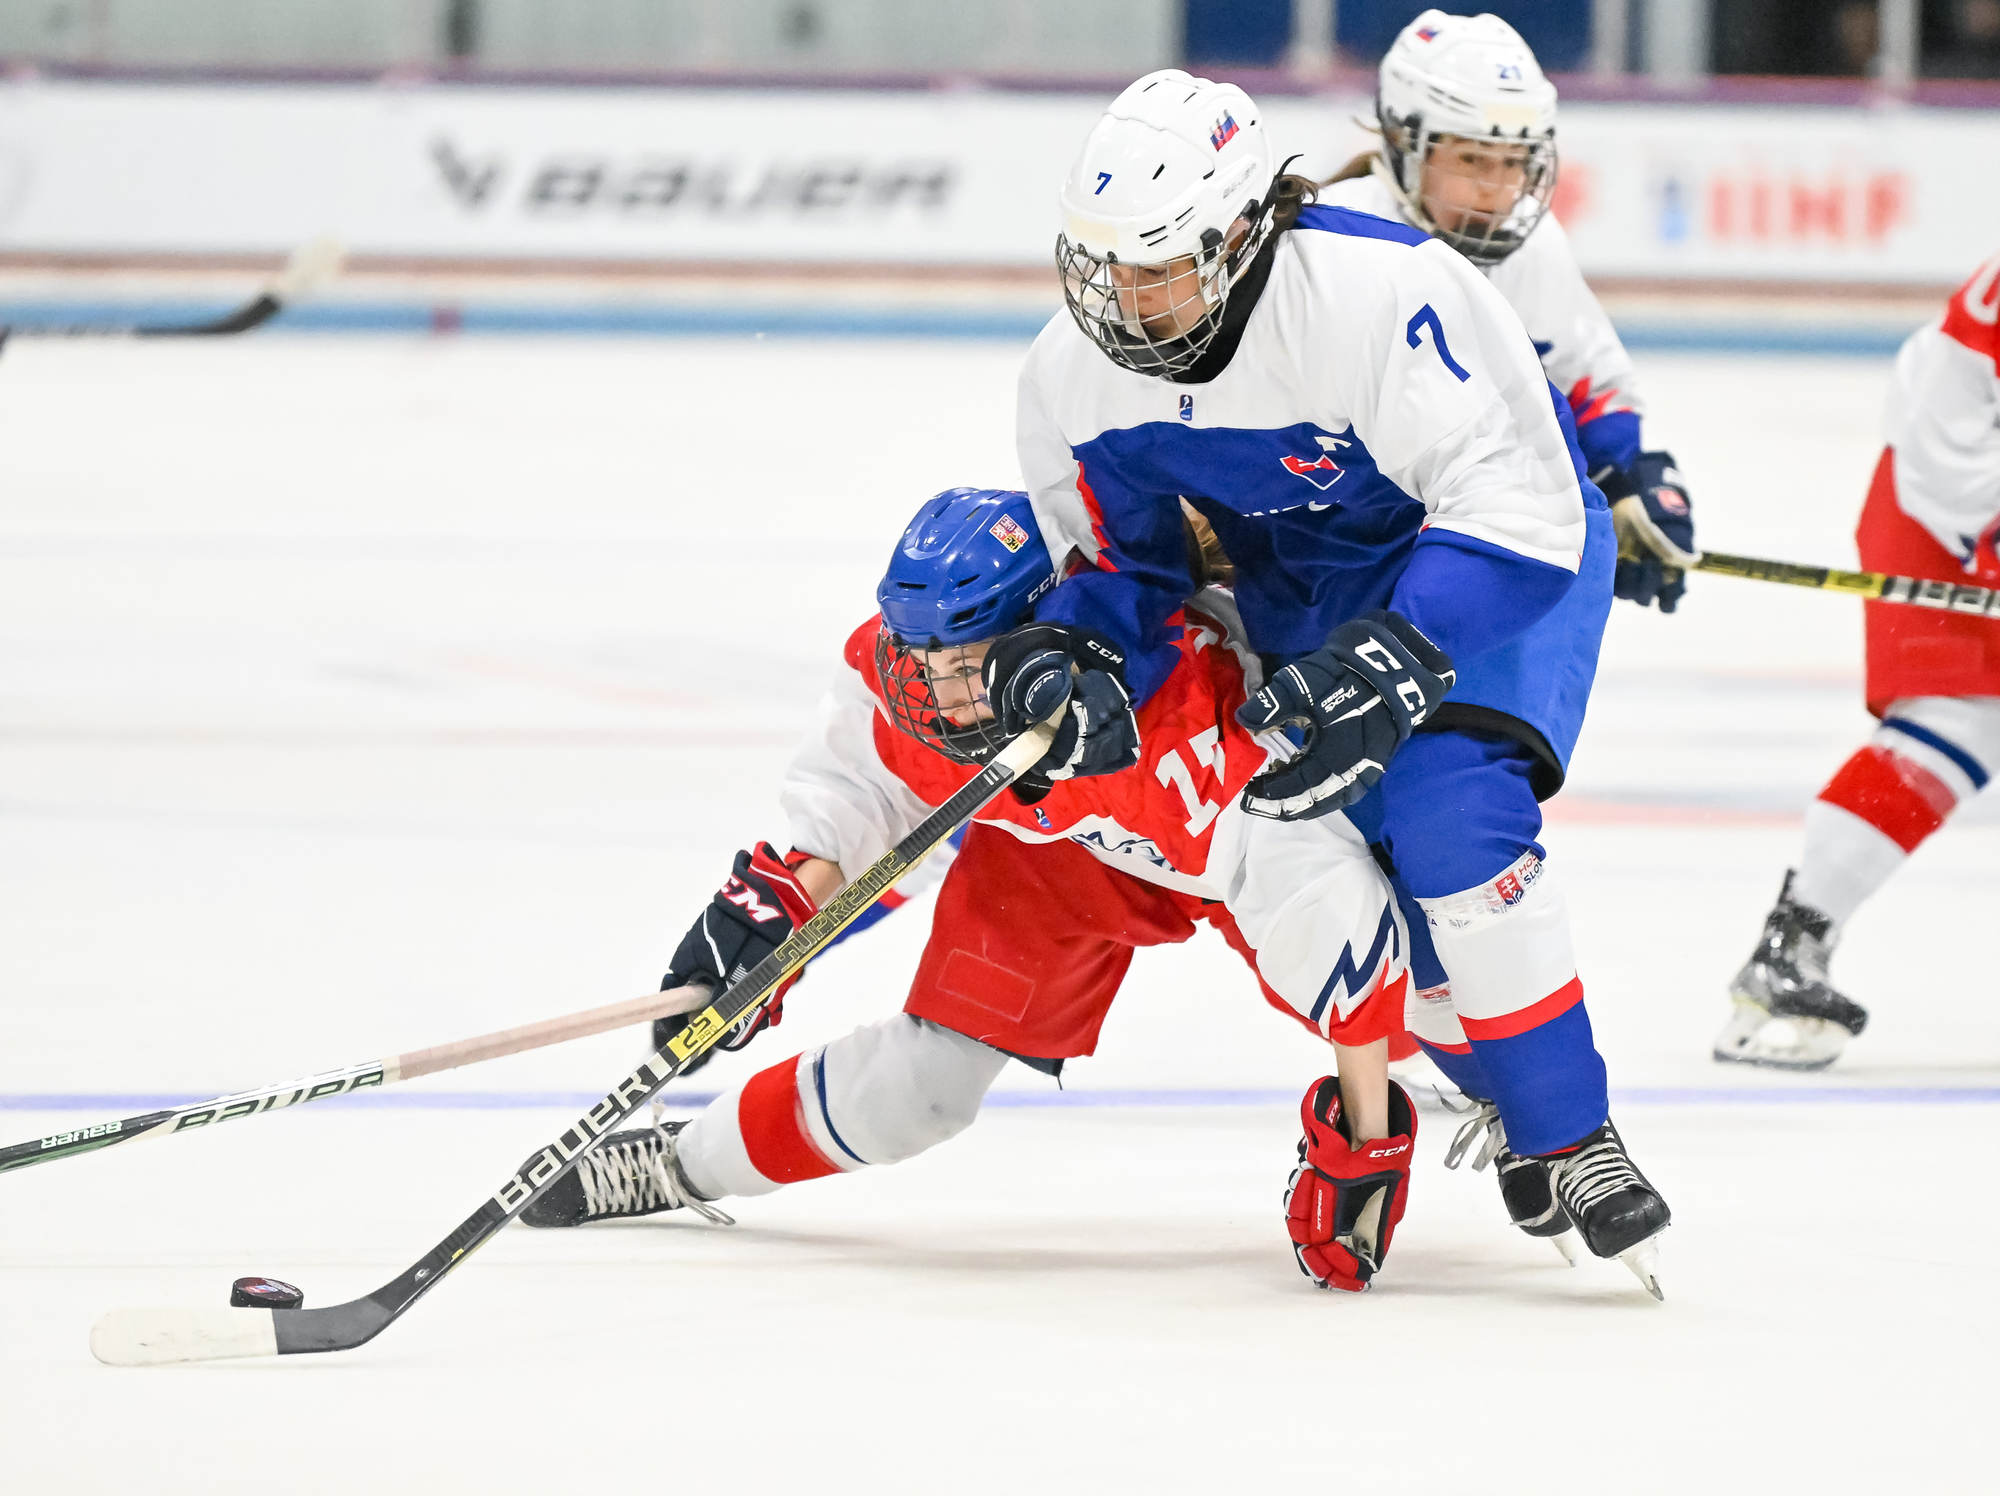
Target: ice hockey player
[
  {"x": 1468, "y": 155},
  {"x": 1038, "y": 917},
  {"x": 1933, "y": 511},
  {"x": 1361, "y": 417}
]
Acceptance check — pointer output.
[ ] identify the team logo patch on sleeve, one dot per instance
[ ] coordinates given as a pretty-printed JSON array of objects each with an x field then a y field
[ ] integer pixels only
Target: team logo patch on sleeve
[
  {"x": 1009, "y": 533},
  {"x": 1224, "y": 131}
]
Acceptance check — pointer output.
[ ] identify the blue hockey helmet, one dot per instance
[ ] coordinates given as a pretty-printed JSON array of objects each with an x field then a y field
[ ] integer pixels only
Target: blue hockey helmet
[{"x": 969, "y": 568}]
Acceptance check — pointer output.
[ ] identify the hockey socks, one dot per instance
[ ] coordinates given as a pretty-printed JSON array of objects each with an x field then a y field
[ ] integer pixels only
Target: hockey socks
[
  {"x": 1519, "y": 1007},
  {"x": 879, "y": 1095},
  {"x": 1928, "y": 756}
]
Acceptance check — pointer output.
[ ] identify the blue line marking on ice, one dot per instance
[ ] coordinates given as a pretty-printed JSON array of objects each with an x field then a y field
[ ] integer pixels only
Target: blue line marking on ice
[
  {"x": 126, "y": 1104},
  {"x": 1852, "y": 340}
]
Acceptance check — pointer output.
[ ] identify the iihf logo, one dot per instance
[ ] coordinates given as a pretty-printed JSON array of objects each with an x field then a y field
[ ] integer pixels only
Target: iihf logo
[
  {"x": 1322, "y": 471},
  {"x": 1187, "y": 407}
]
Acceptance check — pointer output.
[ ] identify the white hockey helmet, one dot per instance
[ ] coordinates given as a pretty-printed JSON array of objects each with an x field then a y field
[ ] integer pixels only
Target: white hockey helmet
[
  {"x": 1470, "y": 77},
  {"x": 1146, "y": 252}
]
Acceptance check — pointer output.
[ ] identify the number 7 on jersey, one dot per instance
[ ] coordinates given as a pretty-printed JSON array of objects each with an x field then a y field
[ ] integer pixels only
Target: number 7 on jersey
[{"x": 1425, "y": 317}]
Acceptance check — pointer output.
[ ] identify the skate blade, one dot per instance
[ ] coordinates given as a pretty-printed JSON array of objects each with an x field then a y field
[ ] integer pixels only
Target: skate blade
[
  {"x": 1644, "y": 1261},
  {"x": 1565, "y": 1243},
  {"x": 1754, "y": 1036}
]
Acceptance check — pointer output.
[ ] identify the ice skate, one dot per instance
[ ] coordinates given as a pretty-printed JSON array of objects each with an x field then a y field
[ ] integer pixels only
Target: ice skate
[
  {"x": 1524, "y": 1182},
  {"x": 1610, "y": 1202},
  {"x": 631, "y": 1173},
  {"x": 1787, "y": 1014}
]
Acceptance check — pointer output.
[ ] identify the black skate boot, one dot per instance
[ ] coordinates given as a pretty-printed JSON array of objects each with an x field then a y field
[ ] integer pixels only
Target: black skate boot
[
  {"x": 1524, "y": 1182},
  {"x": 1618, "y": 1213},
  {"x": 628, "y": 1174},
  {"x": 1788, "y": 1016}
]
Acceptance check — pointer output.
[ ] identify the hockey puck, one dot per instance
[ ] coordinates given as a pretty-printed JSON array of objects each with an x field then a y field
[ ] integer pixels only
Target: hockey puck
[{"x": 264, "y": 1293}]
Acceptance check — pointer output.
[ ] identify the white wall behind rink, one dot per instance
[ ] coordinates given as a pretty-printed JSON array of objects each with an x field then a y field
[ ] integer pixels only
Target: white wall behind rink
[{"x": 924, "y": 177}]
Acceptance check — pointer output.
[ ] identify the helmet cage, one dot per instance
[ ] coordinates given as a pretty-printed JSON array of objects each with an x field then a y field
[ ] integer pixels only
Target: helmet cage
[
  {"x": 1482, "y": 238},
  {"x": 1108, "y": 311},
  {"x": 910, "y": 676}
]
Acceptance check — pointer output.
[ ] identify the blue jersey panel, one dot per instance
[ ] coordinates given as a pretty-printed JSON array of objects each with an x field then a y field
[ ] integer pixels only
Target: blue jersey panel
[
  {"x": 1359, "y": 225},
  {"x": 1543, "y": 675},
  {"x": 1610, "y": 440},
  {"x": 1317, "y": 534}
]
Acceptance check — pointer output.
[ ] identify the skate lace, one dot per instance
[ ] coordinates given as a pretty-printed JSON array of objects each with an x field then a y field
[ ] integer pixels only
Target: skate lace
[
  {"x": 627, "y": 1178},
  {"x": 1593, "y": 1172},
  {"x": 1481, "y": 1117}
]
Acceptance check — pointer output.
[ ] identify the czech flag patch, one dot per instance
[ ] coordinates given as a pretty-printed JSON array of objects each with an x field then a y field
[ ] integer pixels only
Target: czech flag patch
[{"x": 1009, "y": 533}]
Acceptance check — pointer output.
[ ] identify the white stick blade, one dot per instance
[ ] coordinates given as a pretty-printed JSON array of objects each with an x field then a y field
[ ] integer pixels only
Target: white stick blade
[
  {"x": 312, "y": 264},
  {"x": 161, "y": 1337}
]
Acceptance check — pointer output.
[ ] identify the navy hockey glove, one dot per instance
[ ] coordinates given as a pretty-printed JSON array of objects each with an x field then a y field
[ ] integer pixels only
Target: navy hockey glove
[
  {"x": 1040, "y": 666},
  {"x": 1357, "y": 699},
  {"x": 758, "y": 906},
  {"x": 1655, "y": 523},
  {"x": 1347, "y": 1194}
]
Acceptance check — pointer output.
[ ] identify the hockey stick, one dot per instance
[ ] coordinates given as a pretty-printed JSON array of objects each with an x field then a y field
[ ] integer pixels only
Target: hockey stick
[
  {"x": 152, "y": 1337},
  {"x": 196, "y": 1114},
  {"x": 310, "y": 265},
  {"x": 1948, "y": 597}
]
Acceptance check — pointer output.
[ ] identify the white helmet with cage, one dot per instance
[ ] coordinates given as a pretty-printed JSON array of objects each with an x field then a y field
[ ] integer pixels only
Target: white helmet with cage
[
  {"x": 1147, "y": 253},
  {"x": 1471, "y": 78}
]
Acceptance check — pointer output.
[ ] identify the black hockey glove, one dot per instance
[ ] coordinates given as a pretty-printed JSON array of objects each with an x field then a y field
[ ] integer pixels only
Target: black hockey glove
[
  {"x": 1655, "y": 523},
  {"x": 758, "y": 906},
  {"x": 1036, "y": 668},
  {"x": 1357, "y": 699}
]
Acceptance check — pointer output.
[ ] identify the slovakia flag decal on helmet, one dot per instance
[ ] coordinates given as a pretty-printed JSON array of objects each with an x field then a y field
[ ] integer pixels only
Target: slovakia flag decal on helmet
[{"x": 1224, "y": 131}]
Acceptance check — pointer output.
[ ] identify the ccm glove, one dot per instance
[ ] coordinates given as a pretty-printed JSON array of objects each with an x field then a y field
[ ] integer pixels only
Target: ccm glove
[
  {"x": 1357, "y": 701},
  {"x": 1345, "y": 1197},
  {"x": 1655, "y": 524},
  {"x": 752, "y": 914},
  {"x": 1041, "y": 666}
]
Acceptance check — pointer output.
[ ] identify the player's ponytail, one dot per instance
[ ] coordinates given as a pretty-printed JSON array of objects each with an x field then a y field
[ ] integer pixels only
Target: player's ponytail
[
  {"x": 1288, "y": 197},
  {"x": 1208, "y": 563},
  {"x": 1361, "y": 166}
]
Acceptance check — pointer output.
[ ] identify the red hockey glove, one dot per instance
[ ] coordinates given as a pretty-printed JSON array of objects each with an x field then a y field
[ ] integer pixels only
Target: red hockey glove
[
  {"x": 758, "y": 906},
  {"x": 1345, "y": 1199}
]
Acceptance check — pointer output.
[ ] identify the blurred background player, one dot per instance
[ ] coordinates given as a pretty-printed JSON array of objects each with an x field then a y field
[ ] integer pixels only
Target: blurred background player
[
  {"x": 1933, "y": 511},
  {"x": 1468, "y": 155},
  {"x": 1360, "y": 417},
  {"x": 1036, "y": 921}
]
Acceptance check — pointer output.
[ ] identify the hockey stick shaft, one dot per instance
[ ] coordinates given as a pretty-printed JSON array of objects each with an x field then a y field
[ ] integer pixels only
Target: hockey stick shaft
[
  {"x": 173, "y": 1121},
  {"x": 308, "y": 266},
  {"x": 148, "y": 1337},
  {"x": 1947, "y": 597}
]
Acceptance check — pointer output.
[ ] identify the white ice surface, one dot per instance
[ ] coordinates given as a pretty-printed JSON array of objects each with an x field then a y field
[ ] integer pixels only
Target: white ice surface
[{"x": 357, "y": 695}]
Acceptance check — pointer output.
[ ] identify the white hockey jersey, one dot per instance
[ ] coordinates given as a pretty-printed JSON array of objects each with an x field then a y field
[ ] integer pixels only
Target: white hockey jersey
[
  {"x": 1381, "y": 437},
  {"x": 1579, "y": 347},
  {"x": 1943, "y": 420}
]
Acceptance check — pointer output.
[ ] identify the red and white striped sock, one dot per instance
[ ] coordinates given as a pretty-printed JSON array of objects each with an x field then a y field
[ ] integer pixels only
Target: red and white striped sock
[{"x": 1884, "y": 801}]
